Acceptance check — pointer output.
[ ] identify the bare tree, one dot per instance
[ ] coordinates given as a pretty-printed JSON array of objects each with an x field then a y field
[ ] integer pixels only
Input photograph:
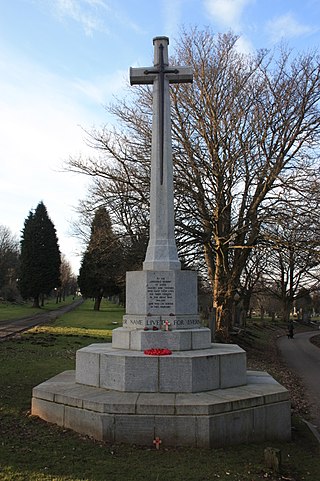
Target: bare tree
[
  {"x": 68, "y": 280},
  {"x": 9, "y": 264},
  {"x": 240, "y": 134},
  {"x": 293, "y": 256}
]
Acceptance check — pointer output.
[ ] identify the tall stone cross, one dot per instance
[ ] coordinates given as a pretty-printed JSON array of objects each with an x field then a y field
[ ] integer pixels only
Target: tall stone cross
[{"x": 162, "y": 251}]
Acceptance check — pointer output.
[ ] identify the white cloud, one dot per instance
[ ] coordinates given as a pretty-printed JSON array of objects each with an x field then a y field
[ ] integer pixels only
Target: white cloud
[
  {"x": 244, "y": 45},
  {"x": 88, "y": 13},
  {"x": 102, "y": 87},
  {"x": 285, "y": 27},
  {"x": 92, "y": 15},
  {"x": 227, "y": 12},
  {"x": 41, "y": 116},
  {"x": 172, "y": 17}
]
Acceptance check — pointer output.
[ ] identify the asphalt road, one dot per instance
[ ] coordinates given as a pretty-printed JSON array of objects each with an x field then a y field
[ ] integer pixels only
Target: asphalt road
[
  {"x": 12, "y": 327},
  {"x": 303, "y": 358}
]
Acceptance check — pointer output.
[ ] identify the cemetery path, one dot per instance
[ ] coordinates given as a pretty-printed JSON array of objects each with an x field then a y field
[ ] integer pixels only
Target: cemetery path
[
  {"x": 15, "y": 326},
  {"x": 303, "y": 358}
]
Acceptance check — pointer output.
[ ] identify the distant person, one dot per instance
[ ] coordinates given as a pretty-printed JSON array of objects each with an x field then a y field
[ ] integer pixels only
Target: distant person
[{"x": 290, "y": 329}]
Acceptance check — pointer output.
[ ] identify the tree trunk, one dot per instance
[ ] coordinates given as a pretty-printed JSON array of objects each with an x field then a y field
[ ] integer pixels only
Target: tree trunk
[
  {"x": 97, "y": 302},
  {"x": 36, "y": 302},
  {"x": 223, "y": 296},
  {"x": 286, "y": 311},
  {"x": 209, "y": 259}
]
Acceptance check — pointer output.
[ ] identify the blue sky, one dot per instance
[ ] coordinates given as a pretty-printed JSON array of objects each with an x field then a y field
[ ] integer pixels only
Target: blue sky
[{"x": 61, "y": 61}]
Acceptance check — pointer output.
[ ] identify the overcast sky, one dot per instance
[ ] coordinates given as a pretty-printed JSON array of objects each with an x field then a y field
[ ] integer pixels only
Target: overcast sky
[{"x": 61, "y": 61}]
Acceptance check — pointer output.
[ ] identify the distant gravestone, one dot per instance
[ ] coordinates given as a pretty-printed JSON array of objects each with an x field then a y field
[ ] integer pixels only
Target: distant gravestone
[{"x": 272, "y": 458}]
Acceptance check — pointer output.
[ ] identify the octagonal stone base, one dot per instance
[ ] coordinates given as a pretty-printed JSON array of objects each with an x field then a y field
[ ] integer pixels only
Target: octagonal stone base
[
  {"x": 256, "y": 412},
  {"x": 220, "y": 366}
]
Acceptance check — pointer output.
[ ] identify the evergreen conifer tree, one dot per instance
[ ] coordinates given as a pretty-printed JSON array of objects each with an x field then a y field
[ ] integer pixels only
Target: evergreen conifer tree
[
  {"x": 101, "y": 263},
  {"x": 40, "y": 256}
]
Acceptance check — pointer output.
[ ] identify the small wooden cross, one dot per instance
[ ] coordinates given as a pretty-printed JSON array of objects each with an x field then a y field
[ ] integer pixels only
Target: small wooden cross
[
  {"x": 157, "y": 441},
  {"x": 166, "y": 325}
]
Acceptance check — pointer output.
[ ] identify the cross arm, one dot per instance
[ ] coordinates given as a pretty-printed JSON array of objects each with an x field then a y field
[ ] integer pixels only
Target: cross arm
[
  {"x": 182, "y": 75},
  {"x": 139, "y": 76},
  {"x": 145, "y": 75}
]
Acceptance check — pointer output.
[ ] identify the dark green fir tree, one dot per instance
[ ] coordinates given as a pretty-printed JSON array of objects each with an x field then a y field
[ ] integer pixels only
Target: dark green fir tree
[
  {"x": 102, "y": 262},
  {"x": 40, "y": 256}
]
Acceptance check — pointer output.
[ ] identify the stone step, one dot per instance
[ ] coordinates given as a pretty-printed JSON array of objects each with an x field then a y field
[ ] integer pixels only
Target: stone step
[
  {"x": 220, "y": 366},
  {"x": 175, "y": 340},
  {"x": 255, "y": 412}
]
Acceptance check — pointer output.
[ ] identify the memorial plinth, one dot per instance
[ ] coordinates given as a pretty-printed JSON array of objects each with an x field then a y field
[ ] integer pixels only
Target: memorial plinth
[
  {"x": 200, "y": 394},
  {"x": 153, "y": 297}
]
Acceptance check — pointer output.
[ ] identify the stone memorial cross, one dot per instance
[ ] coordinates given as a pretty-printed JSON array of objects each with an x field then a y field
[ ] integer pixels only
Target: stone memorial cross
[{"x": 162, "y": 251}]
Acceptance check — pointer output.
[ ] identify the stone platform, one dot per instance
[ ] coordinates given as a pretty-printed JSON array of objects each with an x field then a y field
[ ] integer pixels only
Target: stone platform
[
  {"x": 255, "y": 412},
  {"x": 217, "y": 367}
]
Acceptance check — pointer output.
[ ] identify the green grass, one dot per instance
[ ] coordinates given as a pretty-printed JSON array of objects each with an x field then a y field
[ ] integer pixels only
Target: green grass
[
  {"x": 10, "y": 311},
  {"x": 84, "y": 321},
  {"x": 31, "y": 449},
  {"x": 109, "y": 316}
]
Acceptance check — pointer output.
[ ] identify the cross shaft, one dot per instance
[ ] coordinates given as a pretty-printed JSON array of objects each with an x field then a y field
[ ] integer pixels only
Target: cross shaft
[{"x": 162, "y": 251}]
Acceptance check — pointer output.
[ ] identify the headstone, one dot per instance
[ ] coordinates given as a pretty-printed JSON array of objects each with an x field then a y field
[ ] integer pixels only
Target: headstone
[{"x": 272, "y": 457}]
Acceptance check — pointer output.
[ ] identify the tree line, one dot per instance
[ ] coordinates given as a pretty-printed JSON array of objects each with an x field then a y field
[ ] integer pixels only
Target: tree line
[
  {"x": 245, "y": 148},
  {"x": 35, "y": 268}
]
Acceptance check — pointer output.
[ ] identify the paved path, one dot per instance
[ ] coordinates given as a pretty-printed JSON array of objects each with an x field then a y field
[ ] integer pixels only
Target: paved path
[
  {"x": 11, "y": 327},
  {"x": 303, "y": 358}
]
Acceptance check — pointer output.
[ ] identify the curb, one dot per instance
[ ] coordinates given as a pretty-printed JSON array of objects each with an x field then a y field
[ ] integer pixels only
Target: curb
[{"x": 313, "y": 430}]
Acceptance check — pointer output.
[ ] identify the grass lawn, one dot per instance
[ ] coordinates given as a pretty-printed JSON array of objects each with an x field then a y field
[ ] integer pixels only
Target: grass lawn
[
  {"x": 15, "y": 311},
  {"x": 84, "y": 321},
  {"x": 31, "y": 449}
]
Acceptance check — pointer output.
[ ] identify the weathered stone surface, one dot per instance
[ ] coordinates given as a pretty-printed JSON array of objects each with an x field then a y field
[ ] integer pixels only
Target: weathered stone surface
[
  {"x": 233, "y": 370},
  {"x": 212, "y": 419},
  {"x": 129, "y": 372},
  {"x": 151, "y": 403},
  {"x": 88, "y": 364},
  {"x": 176, "y": 430},
  {"x": 175, "y": 340},
  {"x": 89, "y": 423},
  {"x": 233, "y": 427},
  {"x": 200, "y": 338},
  {"x": 112, "y": 402},
  {"x": 162, "y": 251},
  {"x": 134, "y": 429},
  {"x": 153, "y": 297},
  {"x": 48, "y": 411},
  {"x": 278, "y": 420},
  {"x": 121, "y": 338},
  {"x": 183, "y": 371}
]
